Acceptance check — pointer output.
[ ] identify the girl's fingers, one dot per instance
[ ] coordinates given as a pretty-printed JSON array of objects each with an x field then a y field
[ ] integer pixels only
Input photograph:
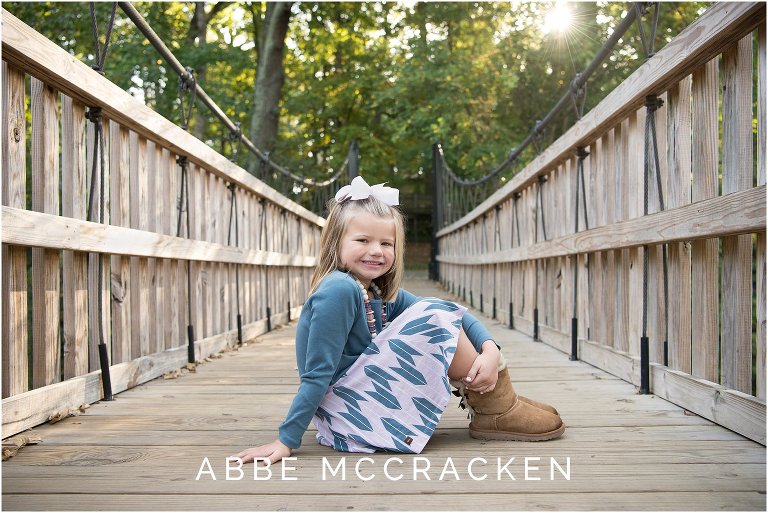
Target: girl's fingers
[
  {"x": 242, "y": 455},
  {"x": 487, "y": 389},
  {"x": 248, "y": 455}
]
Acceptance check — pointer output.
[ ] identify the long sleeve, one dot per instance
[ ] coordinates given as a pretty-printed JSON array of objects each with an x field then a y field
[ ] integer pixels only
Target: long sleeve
[
  {"x": 476, "y": 332},
  {"x": 321, "y": 336}
]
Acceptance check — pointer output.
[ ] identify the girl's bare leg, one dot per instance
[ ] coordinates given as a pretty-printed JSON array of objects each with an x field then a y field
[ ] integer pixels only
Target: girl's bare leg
[{"x": 463, "y": 358}]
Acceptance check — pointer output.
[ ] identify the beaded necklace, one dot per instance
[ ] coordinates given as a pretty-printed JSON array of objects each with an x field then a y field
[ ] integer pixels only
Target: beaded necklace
[{"x": 369, "y": 311}]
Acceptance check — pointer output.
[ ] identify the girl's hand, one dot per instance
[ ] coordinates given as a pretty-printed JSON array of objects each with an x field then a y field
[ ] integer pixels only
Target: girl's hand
[
  {"x": 274, "y": 451},
  {"x": 484, "y": 373}
]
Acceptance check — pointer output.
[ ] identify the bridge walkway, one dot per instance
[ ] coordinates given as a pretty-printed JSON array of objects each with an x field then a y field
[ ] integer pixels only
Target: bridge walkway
[{"x": 145, "y": 449}]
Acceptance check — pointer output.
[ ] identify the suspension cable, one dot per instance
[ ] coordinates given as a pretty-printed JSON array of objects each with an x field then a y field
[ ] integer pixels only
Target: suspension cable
[
  {"x": 163, "y": 50},
  {"x": 578, "y": 82},
  {"x": 96, "y": 207},
  {"x": 233, "y": 215}
]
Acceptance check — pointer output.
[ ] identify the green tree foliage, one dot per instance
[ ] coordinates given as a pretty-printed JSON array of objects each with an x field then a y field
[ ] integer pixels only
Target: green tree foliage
[{"x": 396, "y": 77}]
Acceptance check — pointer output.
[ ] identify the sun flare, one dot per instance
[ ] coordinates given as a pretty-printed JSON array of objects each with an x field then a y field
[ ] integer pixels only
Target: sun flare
[{"x": 559, "y": 19}]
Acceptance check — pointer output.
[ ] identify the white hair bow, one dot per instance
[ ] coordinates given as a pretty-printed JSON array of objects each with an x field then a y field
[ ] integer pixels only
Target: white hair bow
[{"x": 359, "y": 189}]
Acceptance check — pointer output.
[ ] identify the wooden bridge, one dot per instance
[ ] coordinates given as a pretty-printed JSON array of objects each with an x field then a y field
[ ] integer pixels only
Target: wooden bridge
[
  {"x": 145, "y": 449},
  {"x": 695, "y": 442}
]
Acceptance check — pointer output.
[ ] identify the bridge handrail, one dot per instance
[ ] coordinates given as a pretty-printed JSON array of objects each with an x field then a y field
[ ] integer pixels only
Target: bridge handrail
[
  {"x": 528, "y": 257},
  {"x": 697, "y": 44},
  {"x": 30, "y": 50},
  {"x": 158, "y": 279}
]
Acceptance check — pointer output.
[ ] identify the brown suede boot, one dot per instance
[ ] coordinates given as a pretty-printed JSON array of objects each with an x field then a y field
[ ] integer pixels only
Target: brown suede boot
[
  {"x": 539, "y": 404},
  {"x": 501, "y": 415}
]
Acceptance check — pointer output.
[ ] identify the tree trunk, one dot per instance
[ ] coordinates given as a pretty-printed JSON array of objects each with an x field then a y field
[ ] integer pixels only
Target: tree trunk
[
  {"x": 269, "y": 78},
  {"x": 196, "y": 36},
  {"x": 197, "y": 31}
]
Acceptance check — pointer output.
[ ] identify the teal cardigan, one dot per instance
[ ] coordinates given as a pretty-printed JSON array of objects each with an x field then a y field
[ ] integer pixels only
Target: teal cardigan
[{"x": 332, "y": 332}]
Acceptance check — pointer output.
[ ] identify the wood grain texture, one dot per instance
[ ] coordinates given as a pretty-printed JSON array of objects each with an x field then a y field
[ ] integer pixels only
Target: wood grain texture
[
  {"x": 678, "y": 195},
  {"x": 737, "y": 411},
  {"x": 27, "y": 228},
  {"x": 627, "y": 451},
  {"x": 15, "y": 329},
  {"x": 32, "y": 52},
  {"x": 155, "y": 284},
  {"x": 705, "y": 332},
  {"x": 119, "y": 157},
  {"x": 737, "y": 170},
  {"x": 74, "y": 264},
  {"x": 34, "y": 407},
  {"x": 738, "y": 212},
  {"x": 760, "y": 258},
  {"x": 523, "y": 501},
  {"x": 45, "y": 262}
]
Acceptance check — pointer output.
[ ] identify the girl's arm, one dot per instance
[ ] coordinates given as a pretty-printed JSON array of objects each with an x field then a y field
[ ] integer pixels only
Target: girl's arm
[
  {"x": 484, "y": 373},
  {"x": 320, "y": 342},
  {"x": 476, "y": 332}
]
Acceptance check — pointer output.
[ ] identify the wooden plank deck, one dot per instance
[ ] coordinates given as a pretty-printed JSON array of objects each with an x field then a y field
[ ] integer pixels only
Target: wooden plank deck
[{"x": 144, "y": 450}]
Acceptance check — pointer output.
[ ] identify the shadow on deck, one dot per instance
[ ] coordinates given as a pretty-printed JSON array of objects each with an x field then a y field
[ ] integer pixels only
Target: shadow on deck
[{"x": 144, "y": 450}]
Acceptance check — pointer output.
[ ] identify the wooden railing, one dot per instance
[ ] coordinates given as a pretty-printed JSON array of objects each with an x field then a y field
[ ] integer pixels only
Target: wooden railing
[
  {"x": 50, "y": 252},
  {"x": 713, "y": 226}
]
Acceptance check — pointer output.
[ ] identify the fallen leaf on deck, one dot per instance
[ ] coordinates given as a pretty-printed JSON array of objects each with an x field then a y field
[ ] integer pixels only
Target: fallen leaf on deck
[{"x": 12, "y": 445}]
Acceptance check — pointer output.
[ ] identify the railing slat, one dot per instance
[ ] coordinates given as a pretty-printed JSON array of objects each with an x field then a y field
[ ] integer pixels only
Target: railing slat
[
  {"x": 75, "y": 264},
  {"x": 656, "y": 309},
  {"x": 635, "y": 210},
  {"x": 15, "y": 330},
  {"x": 176, "y": 320},
  {"x": 216, "y": 284},
  {"x": 119, "y": 157},
  {"x": 599, "y": 180},
  {"x": 139, "y": 281},
  {"x": 761, "y": 242},
  {"x": 45, "y": 262},
  {"x": 679, "y": 194},
  {"x": 704, "y": 252},
  {"x": 165, "y": 172},
  {"x": 153, "y": 265},
  {"x": 737, "y": 168}
]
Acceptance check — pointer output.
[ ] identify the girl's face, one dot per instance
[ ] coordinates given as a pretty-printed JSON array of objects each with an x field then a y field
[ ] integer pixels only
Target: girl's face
[{"x": 367, "y": 247}]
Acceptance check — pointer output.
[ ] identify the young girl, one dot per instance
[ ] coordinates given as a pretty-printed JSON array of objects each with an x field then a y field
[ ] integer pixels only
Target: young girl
[{"x": 375, "y": 361}]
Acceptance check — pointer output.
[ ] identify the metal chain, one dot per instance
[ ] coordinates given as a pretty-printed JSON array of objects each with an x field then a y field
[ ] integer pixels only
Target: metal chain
[
  {"x": 187, "y": 89},
  {"x": 235, "y": 135},
  {"x": 578, "y": 95}
]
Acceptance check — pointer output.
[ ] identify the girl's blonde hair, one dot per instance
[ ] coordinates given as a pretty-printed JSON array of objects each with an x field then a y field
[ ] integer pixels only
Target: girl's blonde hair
[{"x": 330, "y": 241}]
